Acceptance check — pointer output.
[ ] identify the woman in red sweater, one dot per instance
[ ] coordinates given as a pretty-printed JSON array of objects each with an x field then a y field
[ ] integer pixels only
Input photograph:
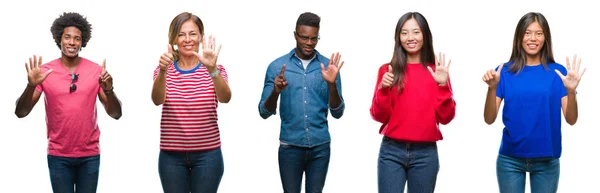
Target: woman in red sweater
[{"x": 412, "y": 97}]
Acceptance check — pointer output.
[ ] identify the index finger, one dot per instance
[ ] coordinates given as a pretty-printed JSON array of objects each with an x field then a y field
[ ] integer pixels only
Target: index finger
[
  {"x": 104, "y": 64},
  {"x": 282, "y": 70}
]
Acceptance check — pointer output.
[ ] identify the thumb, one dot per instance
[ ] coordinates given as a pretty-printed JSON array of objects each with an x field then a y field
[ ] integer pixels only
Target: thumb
[
  {"x": 430, "y": 70},
  {"x": 559, "y": 74},
  {"x": 197, "y": 55},
  {"x": 47, "y": 73},
  {"x": 390, "y": 68},
  {"x": 170, "y": 49}
]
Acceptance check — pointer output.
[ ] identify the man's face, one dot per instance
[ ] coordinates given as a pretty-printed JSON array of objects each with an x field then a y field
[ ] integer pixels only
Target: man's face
[
  {"x": 70, "y": 43},
  {"x": 306, "y": 41}
]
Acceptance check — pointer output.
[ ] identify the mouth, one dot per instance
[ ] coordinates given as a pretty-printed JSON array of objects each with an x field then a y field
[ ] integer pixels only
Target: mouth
[
  {"x": 188, "y": 47},
  {"x": 532, "y": 46},
  {"x": 308, "y": 49},
  {"x": 411, "y": 45},
  {"x": 71, "y": 49}
]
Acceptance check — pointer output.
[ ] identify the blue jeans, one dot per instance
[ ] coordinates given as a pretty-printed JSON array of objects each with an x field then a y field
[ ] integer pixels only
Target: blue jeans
[
  {"x": 400, "y": 162},
  {"x": 74, "y": 175},
  {"x": 543, "y": 174},
  {"x": 185, "y": 172},
  {"x": 294, "y": 161}
]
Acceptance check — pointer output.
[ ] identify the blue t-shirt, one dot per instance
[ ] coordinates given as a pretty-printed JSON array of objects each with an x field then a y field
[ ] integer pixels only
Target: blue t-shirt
[{"x": 532, "y": 111}]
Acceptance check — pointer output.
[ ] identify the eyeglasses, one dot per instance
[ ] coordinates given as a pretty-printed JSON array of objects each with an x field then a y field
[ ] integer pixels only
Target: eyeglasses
[
  {"x": 306, "y": 38},
  {"x": 74, "y": 78}
]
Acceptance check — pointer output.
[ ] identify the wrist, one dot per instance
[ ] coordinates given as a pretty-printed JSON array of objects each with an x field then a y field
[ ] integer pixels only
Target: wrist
[{"x": 108, "y": 91}]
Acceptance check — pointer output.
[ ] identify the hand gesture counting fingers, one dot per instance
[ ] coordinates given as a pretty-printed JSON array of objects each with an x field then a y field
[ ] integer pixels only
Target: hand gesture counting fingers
[
  {"x": 105, "y": 78},
  {"x": 334, "y": 66},
  {"x": 574, "y": 74},
  {"x": 388, "y": 78},
  {"x": 34, "y": 71},
  {"x": 492, "y": 77},
  {"x": 440, "y": 75},
  {"x": 280, "y": 82},
  {"x": 210, "y": 53},
  {"x": 166, "y": 59}
]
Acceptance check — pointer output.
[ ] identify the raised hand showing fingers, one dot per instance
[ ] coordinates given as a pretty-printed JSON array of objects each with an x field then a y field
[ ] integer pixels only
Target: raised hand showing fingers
[
  {"x": 280, "y": 82},
  {"x": 34, "y": 71},
  {"x": 492, "y": 77},
  {"x": 105, "y": 79},
  {"x": 573, "y": 77}
]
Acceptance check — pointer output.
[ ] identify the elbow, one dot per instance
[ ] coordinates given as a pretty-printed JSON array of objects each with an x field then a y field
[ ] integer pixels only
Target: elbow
[
  {"x": 20, "y": 114},
  {"x": 225, "y": 99},
  {"x": 572, "y": 122},
  {"x": 116, "y": 116},
  {"x": 157, "y": 102},
  {"x": 488, "y": 121}
]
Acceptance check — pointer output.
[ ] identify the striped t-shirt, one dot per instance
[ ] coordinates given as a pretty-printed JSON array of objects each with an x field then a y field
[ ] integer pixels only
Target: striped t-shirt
[{"x": 189, "y": 114}]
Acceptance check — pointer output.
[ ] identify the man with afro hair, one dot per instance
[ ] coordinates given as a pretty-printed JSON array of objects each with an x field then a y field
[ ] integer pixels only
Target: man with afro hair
[
  {"x": 309, "y": 85},
  {"x": 70, "y": 85}
]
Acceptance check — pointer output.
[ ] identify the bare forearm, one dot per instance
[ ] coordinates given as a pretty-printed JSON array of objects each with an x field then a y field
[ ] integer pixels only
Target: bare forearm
[
  {"x": 113, "y": 105},
  {"x": 25, "y": 102},
  {"x": 159, "y": 89},
  {"x": 490, "y": 110},
  {"x": 572, "y": 112},
  {"x": 222, "y": 89},
  {"x": 334, "y": 96}
]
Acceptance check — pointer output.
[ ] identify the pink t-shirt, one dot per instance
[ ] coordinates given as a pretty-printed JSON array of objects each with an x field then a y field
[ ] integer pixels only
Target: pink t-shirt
[{"x": 71, "y": 118}]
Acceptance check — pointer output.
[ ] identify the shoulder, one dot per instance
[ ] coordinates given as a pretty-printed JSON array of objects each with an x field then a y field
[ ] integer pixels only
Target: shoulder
[
  {"x": 52, "y": 64},
  {"x": 321, "y": 58},
  {"x": 89, "y": 64},
  {"x": 557, "y": 66}
]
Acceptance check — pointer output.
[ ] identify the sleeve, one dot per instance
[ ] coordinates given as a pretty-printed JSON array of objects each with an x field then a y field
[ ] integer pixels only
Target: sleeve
[
  {"x": 560, "y": 86},
  {"x": 339, "y": 110},
  {"x": 267, "y": 89},
  {"x": 156, "y": 72},
  {"x": 446, "y": 106},
  {"x": 223, "y": 73},
  {"x": 381, "y": 107},
  {"x": 500, "y": 88}
]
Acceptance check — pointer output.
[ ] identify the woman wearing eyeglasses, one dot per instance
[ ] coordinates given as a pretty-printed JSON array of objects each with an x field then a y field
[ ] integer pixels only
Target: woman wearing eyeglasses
[
  {"x": 412, "y": 97},
  {"x": 70, "y": 84},
  {"x": 190, "y": 85}
]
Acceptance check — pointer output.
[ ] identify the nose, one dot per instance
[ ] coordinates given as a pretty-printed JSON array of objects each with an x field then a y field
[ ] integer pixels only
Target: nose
[
  {"x": 188, "y": 38},
  {"x": 411, "y": 36}
]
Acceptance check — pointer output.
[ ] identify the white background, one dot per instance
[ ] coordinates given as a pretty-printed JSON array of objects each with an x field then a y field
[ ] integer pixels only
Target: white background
[{"x": 131, "y": 35}]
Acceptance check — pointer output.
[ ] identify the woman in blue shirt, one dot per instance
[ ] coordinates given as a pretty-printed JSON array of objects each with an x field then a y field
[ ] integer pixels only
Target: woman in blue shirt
[{"x": 535, "y": 89}]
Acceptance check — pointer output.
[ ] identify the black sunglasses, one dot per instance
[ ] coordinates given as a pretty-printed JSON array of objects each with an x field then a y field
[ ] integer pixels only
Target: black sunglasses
[{"x": 74, "y": 78}]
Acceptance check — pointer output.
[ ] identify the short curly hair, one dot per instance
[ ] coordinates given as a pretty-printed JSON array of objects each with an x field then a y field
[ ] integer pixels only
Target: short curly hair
[{"x": 68, "y": 19}]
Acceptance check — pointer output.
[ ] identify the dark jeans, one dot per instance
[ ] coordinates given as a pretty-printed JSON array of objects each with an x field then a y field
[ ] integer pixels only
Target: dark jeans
[
  {"x": 74, "y": 175},
  {"x": 294, "y": 161},
  {"x": 195, "y": 172},
  {"x": 399, "y": 163}
]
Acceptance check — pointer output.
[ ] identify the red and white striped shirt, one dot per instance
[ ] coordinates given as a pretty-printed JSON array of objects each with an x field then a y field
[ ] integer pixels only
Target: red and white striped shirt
[{"x": 189, "y": 114}]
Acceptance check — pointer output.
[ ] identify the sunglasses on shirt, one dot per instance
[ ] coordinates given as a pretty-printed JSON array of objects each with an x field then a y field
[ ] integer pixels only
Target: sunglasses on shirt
[{"x": 74, "y": 78}]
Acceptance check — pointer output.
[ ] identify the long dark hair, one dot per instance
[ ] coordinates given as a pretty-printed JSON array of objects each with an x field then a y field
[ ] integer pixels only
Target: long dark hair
[
  {"x": 399, "y": 58},
  {"x": 519, "y": 56}
]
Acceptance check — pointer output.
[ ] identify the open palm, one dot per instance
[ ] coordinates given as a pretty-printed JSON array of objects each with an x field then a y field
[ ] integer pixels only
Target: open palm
[
  {"x": 571, "y": 80},
  {"x": 330, "y": 74},
  {"x": 440, "y": 75},
  {"x": 210, "y": 53},
  {"x": 34, "y": 71}
]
